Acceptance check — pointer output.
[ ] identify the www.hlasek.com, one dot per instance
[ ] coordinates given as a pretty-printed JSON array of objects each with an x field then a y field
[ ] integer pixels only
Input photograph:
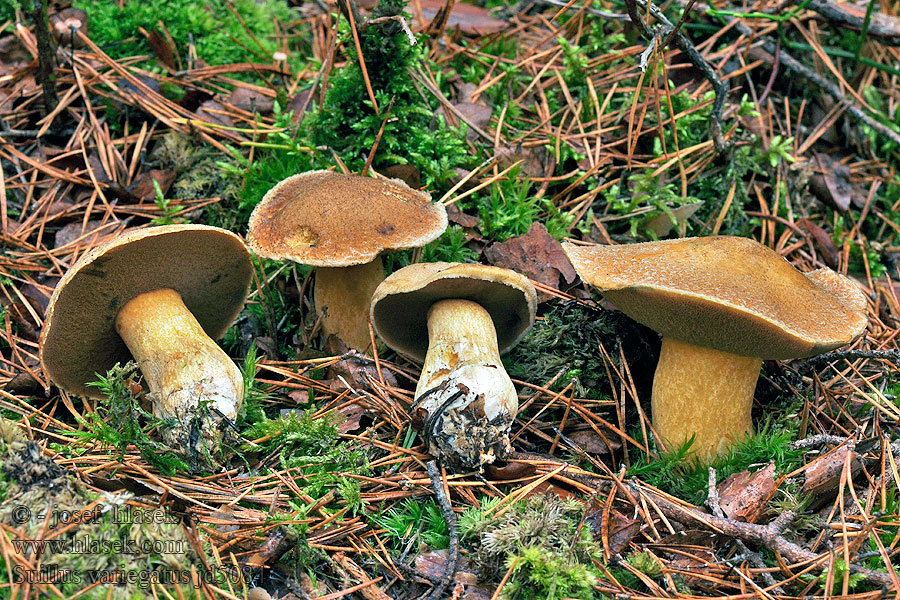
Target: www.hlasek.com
[
  {"x": 89, "y": 545},
  {"x": 142, "y": 578}
]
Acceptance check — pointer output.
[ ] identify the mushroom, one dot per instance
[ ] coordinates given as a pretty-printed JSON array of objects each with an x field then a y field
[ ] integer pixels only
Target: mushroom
[
  {"x": 469, "y": 314},
  {"x": 722, "y": 304},
  {"x": 160, "y": 295},
  {"x": 340, "y": 224}
]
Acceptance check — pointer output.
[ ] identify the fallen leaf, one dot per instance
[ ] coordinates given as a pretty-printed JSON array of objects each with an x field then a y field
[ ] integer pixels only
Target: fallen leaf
[
  {"x": 142, "y": 187},
  {"x": 213, "y": 112},
  {"x": 662, "y": 223},
  {"x": 532, "y": 162},
  {"x": 823, "y": 475},
  {"x": 251, "y": 101},
  {"x": 592, "y": 443},
  {"x": 471, "y": 20},
  {"x": 619, "y": 528},
  {"x": 352, "y": 417},
  {"x": 536, "y": 254},
  {"x": 744, "y": 495},
  {"x": 831, "y": 183},
  {"x": 464, "y": 220},
  {"x": 408, "y": 174},
  {"x": 358, "y": 371},
  {"x": 822, "y": 241},
  {"x": 71, "y": 232},
  {"x": 509, "y": 471}
]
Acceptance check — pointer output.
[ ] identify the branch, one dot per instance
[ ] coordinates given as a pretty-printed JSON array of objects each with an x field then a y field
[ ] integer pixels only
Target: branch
[{"x": 671, "y": 32}]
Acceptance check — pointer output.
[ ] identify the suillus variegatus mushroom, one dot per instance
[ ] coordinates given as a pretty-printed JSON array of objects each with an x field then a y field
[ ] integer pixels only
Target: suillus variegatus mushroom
[
  {"x": 458, "y": 319},
  {"x": 722, "y": 304},
  {"x": 159, "y": 295},
  {"x": 341, "y": 224}
]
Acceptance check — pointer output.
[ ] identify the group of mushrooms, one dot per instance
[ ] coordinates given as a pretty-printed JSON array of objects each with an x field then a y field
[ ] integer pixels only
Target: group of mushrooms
[{"x": 162, "y": 295}]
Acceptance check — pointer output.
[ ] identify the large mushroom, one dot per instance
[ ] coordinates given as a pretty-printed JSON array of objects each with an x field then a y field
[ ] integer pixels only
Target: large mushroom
[
  {"x": 458, "y": 318},
  {"x": 722, "y": 304},
  {"x": 160, "y": 295},
  {"x": 341, "y": 224}
]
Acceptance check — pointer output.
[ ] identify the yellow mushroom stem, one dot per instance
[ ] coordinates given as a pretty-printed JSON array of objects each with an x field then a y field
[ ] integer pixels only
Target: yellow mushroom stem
[
  {"x": 342, "y": 298},
  {"x": 190, "y": 377},
  {"x": 705, "y": 393},
  {"x": 467, "y": 399}
]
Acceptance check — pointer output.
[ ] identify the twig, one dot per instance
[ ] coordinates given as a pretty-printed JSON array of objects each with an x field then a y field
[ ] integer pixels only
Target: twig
[
  {"x": 890, "y": 355},
  {"x": 769, "y": 536},
  {"x": 668, "y": 30},
  {"x": 45, "y": 54},
  {"x": 712, "y": 501},
  {"x": 792, "y": 64},
  {"x": 437, "y": 484},
  {"x": 878, "y": 28},
  {"x": 821, "y": 439}
]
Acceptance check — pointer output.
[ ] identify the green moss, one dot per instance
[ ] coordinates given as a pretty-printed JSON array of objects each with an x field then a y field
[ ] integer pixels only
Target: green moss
[
  {"x": 414, "y": 517},
  {"x": 112, "y": 538},
  {"x": 217, "y": 35},
  {"x": 544, "y": 537},
  {"x": 348, "y": 123},
  {"x": 569, "y": 337},
  {"x": 688, "y": 480},
  {"x": 119, "y": 421}
]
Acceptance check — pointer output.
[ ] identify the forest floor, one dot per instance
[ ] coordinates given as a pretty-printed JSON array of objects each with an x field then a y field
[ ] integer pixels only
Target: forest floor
[{"x": 611, "y": 122}]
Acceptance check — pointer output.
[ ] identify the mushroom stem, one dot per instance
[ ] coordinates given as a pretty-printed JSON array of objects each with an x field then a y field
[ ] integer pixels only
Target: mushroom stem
[
  {"x": 190, "y": 377},
  {"x": 705, "y": 393},
  {"x": 342, "y": 298},
  {"x": 468, "y": 399}
]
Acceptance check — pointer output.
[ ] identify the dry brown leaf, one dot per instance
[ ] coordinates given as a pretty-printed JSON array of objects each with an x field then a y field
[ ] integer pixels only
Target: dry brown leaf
[
  {"x": 823, "y": 475},
  {"x": 743, "y": 495},
  {"x": 471, "y": 20},
  {"x": 823, "y": 242},
  {"x": 536, "y": 255}
]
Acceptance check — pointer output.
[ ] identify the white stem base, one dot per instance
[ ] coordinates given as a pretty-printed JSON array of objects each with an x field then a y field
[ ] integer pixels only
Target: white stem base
[
  {"x": 190, "y": 377},
  {"x": 705, "y": 393},
  {"x": 466, "y": 399}
]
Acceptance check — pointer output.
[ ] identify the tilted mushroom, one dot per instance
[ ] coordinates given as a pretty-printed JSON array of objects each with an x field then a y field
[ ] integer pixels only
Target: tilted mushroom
[
  {"x": 340, "y": 224},
  {"x": 722, "y": 304},
  {"x": 458, "y": 318},
  {"x": 160, "y": 295}
]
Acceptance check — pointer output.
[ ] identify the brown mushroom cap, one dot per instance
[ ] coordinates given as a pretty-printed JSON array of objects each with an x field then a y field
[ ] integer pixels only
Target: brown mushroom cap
[
  {"x": 208, "y": 266},
  {"x": 327, "y": 219},
  {"x": 400, "y": 305},
  {"x": 727, "y": 293}
]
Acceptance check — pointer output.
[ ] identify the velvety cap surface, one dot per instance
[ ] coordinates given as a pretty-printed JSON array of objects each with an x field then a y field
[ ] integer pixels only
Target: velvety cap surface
[
  {"x": 208, "y": 266},
  {"x": 727, "y": 293},
  {"x": 328, "y": 219},
  {"x": 400, "y": 305}
]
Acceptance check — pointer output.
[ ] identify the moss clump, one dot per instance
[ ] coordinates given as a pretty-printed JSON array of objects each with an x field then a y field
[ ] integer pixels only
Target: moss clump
[
  {"x": 547, "y": 541},
  {"x": 119, "y": 421},
  {"x": 569, "y": 337},
  {"x": 211, "y": 26},
  {"x": 348, "y": 123}
]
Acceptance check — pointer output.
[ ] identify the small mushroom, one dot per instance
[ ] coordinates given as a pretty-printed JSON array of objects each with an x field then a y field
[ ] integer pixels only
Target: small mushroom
[
  {"x": 340, "y": 224},
  {"x": 458, "y": 318},
  {"x": 65, "y": 25},
  {"x": 160, "y": 295},
  {"x": 722, "y": 304}
]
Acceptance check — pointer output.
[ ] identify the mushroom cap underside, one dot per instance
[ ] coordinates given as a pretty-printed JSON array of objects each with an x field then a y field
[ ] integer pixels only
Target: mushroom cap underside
[
  {"x": 399, "y": 308},
  {"x": 727, "y": 293},
  {"x": 208, "y": 266},
  {"x": 328, "y": 219}
]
